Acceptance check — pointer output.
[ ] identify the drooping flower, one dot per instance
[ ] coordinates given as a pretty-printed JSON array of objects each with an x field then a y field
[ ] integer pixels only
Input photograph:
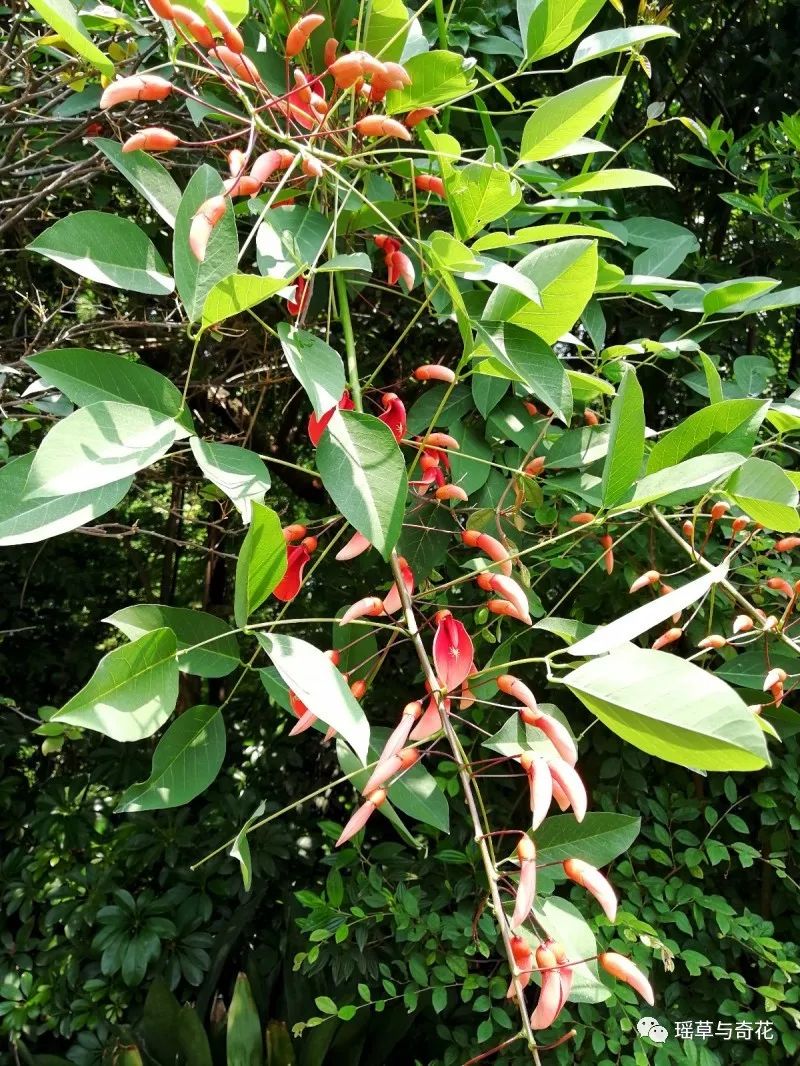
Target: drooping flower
[
  {"x": 431, "y": 721},
  {"x": 391, "y": 767},
  {"x": 392, "y": 602},
  {"x": 549, "y": 1002},
  {"x": 452, "y": 651},
  {"x": 526, "y": 888},
  {"x": 624, "y": 970},
  {"x": 357, "y": 545},
  {"x": 509, "y": 590},
  {"x": 317, "y": 426},
  {"x": 540, "y": 784},
  {"x": 298, "y": 35},
  {"x": 297, "y": 557},
  {"x": 645, "y": 580},
  {"x": 136, "y": 87},
  {"x": 400, "y": 734},
  {"x": 523, "y": 956},
  {"x": 590, "y": 878},
  {"x": 394, "y": 415},
  {"x": 362, "y": 815},
  {"x": 368, "y": 607},
  {"x": 568, "y": 786},
  {"x": 490, "y": 546}
]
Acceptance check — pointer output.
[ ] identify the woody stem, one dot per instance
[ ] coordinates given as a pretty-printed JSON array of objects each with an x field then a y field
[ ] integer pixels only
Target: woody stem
[{"x": 468, "y": 786}]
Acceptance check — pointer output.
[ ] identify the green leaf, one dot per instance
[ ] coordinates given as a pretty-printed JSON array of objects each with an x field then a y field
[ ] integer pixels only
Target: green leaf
[
  {"x": 387, "y": 24},
  {"x": 132, "y": 692},
  {"x": 548, "y": 26},
  {"x": 480, "y": 193},
  {"x": 290, "y": 239},
  {"x": 239, "y": 473},
  {"x": 218, "y": 651},
  {"x": 470, "y": 465},
  {"x": 311, "y": 675},
  {"x": 536, "y": 234},
  {"x": 563, "y": 922},
  {"x": 108, "y": 249},
  {"x": 241, "y": 847},
  {"x": 357, "y": 648},
  {"x": 654, "y": 612},
  {"x": 748, "y": 669},
  {"x": 316, "y": 365},
  {"x": 534, "y": 363},
  {"x": 146, "y": 175},
  {"x": 562, "y": 119},
  {"x": 27, "y": 519},
  {"x": 436, "y": 78},
  {"x": 63, "y": 18},
  {"x": 608, "y": 180},
  {"x": 766, "y": 494},
  {"x": 713, "y": 380},
  {"x": 598, "y": 839},
  {"x": 685, "y": 481},
  {"x": 626, "y": 440},
  {"x": 237, "y": 293},
  {"x": 363, "y": 469},
  {"x": 195, "y": 280},
  {"x": 98, "y": 444},
  {"x": 86, "y": 377},
  {"x": 243, "y": 1027},
  {"x": 729, "y": 426},
  {"x": 187, "y": 759},
  {"x": 619, "y": 40},
  {"x": 261, "y": 563},
  {"x": 416, "y": 793},
  {"x": 670, "y": 708},
  {"x": 352, "y": 261},
  {"x": 721, "y": 298},
  {"x": 564, "y": 274}
]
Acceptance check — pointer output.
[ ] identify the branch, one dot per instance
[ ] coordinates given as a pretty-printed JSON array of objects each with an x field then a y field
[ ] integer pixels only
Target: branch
[{"x": 467, "y": 784}]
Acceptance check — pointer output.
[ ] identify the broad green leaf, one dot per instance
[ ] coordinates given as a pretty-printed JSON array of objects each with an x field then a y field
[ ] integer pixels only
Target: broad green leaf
[
  {"x": 261, "y": 563},
  {"x": 106, "y": 248},
  {"x": 195, "y": 280},
  {"x": 206, "y": 645},
  {"x": 728, "y": 294},
  {"x": 784, "y": 417},
  {"x": 619, "y": 40},
  {"x": 630, "y": 626},
  {"x": 532, "y": 362},
  {"x": 563, "y": 922},
  {"x": 290, "y": 239},
  {"x": 749, "y": 668},
  {"x": 729, "y": 426},
  {"x": 536, "y": 234},
  {"x": 132, "y": 692},
  {"x": 766, "y": 494},
  {"x": 98, "y": 444},
  {"x": 87, "y": 377},
  {"x": 314, "y": 679},
  {"x": 686, "y": 480},
  {"x": 626, "y": 440},
  {"x": 665, "y": 244},
  {"x": 238, "y": 293},
  {"x": 416, "y": 793},
  {"x": 713, "y": 380},
  {"x": 598, "y": 839},
  {"x": 241, "y": 474},
  {"x": 436, "y": 78},
  {"x": 470, "y": 465},
  {"x": 499, "y": 273},
  {"x": 386, "y": 29},
  {"x": 567, "y": 629},
  {"x": 423, "y": 410},
  {"x": 480, "y": 193},
  {"x": 363, "y": 470},
  {"x": 587, "y": 387},
  {"x": 316, "y": 365},
  {"x": 564, "y": 274},
  {"x": 352, "y": 261},
  {"x": 241, "y": 847},
  {"x": 236, "y": 10},
  {"x": 670, "y": 708},
  {"x": 487, "y": 392},
  {"x": 608, "y": 180},
  {"x": 147, "y": 176},
  {"x": 564, "y": 118},
  {"x": 548, "y": 26},
  {"x": 27, "y": 519},
  {"x": 63, "y": 18},
  {"x": 187, "y": 759}
]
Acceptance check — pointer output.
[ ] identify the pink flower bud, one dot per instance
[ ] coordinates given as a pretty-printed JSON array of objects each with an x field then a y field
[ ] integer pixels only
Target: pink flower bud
[
  {"x": 667, "y": 638},
  {"x": 451, "y": 492},
  {"x": 379, "y": 126},
  {"x": 569, "y": 782},
  {"x": 540, "y": 784},
  {"x": 357, "y": 545},
  {"x": 774, "y": 677},
  {"x": 419, "y": 114},
  {"x": 490, "y": 546},
  {"x": 742, "y": 623},
  {"x": 362, "y": 815},
  {"x": 590, "y": 878},
  {"x": 522, "y": 954},
  {"x": 152, "y": 139},
  {"x": 526, "y": 889},
  {"x": 650, "y": 577},
  {"x": 431, "y": 721},
  {"x": 549, "y": 1002},
  {"x": 391, "y": 767},
  {"x": 787, "y": 544},
  {"x": 392, "y": 602},
  {"x": 779, "y": 584},
  {"x": 137, "y": 87},
  {"x": 298, "y": 35},
  {"x": 430, "y": 183},
  {"x": 624, "y": 970},
  {"x": 208, "y": 215},
  {"x": 509, "y": 590},
  {"x": 714, "y": 640},
  {"x": 368, "y": 607},
  {"x": 400, "y": 734},
  {"x": 434, "y": 372},
  {"x": 193, "y": 24},
  {"x": 231, "y": 36}
]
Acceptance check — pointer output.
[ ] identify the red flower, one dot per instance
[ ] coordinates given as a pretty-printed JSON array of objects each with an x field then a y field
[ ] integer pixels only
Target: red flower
[
  {"x": 316, "y": 426},
  {"x": 296, "y": 558},
  {"x": 392, "y": 602},
  {"x": 395, "y": 414},
  {"x": 452, "y": 651}
]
